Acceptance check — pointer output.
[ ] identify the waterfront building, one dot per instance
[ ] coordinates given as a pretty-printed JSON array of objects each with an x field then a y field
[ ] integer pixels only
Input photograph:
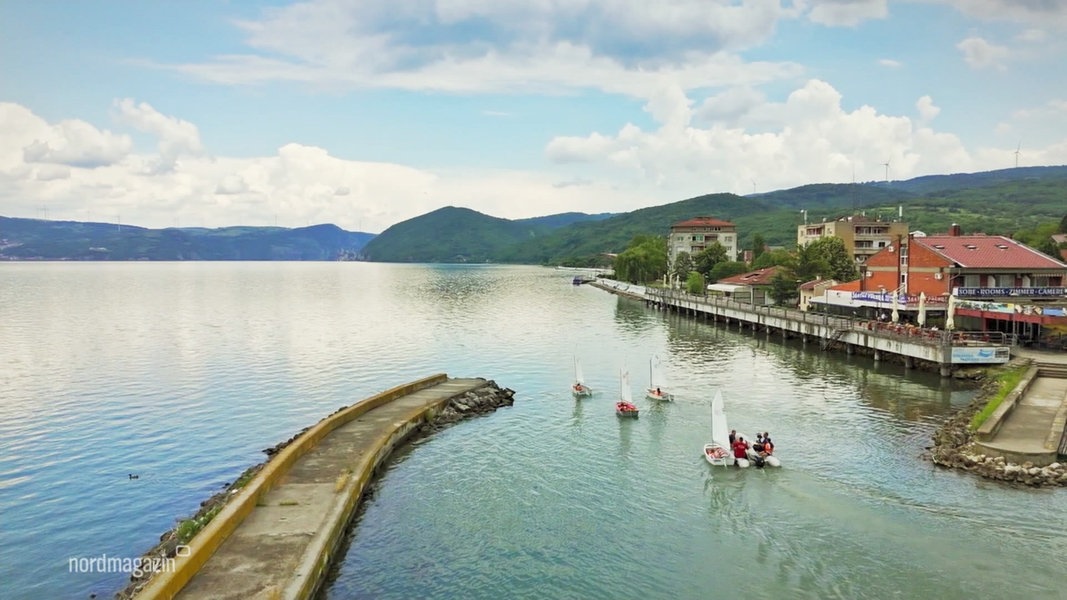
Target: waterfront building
[
  {"x": 814, "y": 289},
  {"x": 696, "y": 234},
  {"x": 751, "y": 288},
  {"x": 863, "y": 236},
  {"x": 999, "y": 284}
]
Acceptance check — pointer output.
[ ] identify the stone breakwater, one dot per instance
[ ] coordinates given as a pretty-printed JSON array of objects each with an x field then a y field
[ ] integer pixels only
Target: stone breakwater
[
  {"x": 954, "y": 448},
  {"x": 485, "y": 399}
]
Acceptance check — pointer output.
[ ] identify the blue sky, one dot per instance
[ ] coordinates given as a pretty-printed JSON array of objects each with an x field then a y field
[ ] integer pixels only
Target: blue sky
[{"x": 365, "y": 113}]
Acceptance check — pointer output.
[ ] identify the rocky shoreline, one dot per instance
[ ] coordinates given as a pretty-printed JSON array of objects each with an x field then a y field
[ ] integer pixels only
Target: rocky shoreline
[
  {"x": 483, "y": 400},
  {"x": 954, "y": 448}
]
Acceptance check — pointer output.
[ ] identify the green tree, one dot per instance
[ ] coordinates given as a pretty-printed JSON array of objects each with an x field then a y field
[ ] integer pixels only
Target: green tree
[
  {"x": 643, "y": 261},
  {"x": 695, "y": 283},
  {"x": 758, "y": 246},
  {"x": 706, "y": 259},
  {"x": 825, "y": 257},
  {"x": 1063, "y": 224},
  {"x": 774, "y": 258},
  {"x": 683, "y": 265},
  {"x": 784, "y": 288},
  {"x": 727, "y": 269},
  {"x": 810, "y": 263}
]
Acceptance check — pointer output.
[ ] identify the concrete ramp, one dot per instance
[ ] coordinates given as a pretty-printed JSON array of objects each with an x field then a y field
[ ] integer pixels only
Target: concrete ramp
[{"x": 1034, "y": 429}]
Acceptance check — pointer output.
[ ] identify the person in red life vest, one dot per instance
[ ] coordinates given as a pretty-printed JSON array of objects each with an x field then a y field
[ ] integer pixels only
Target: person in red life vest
[{"x": 740, "y": 448}]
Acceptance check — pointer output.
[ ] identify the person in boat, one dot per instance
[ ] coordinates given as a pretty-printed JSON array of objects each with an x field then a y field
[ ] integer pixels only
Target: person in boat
[
  {"x": 766, "y": 448},
  {"x": 733, "y": 437},
  {"x": 740, "y": 448},
  {"x": 658, "y": 393}
]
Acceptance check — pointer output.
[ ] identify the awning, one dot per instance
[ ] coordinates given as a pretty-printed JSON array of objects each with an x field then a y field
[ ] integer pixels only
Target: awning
[{"x": 727, "y": 288}]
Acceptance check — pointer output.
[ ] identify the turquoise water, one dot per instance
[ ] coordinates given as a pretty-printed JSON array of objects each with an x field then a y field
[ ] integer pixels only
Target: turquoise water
[{"x": 183, "y": 372}]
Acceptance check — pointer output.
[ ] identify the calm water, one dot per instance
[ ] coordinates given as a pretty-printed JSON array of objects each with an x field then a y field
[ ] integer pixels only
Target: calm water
[{"x": 182, "y": 373}]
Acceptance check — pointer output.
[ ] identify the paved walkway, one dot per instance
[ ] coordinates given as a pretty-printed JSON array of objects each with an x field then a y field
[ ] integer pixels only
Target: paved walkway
[
  {"x": 1036, "y": 423},
  {"x": 269, "y": 550}
]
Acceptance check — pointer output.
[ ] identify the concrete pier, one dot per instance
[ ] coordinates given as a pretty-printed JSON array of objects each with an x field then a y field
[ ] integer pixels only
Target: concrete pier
[
  {"x": 276, "y": 538},
  {"x": 941, "y": 350}
]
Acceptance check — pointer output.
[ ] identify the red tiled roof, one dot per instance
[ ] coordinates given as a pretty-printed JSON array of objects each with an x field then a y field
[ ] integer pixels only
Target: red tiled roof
[
  {"x": 848, "y": 286},
  {"x": 760, "y": 277},
  {"x": 703, "y": 222},
  {"x": 988, "y": 251}
]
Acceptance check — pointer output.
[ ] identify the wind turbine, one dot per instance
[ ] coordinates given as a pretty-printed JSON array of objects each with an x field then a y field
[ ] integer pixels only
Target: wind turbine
[
  {"x": 1017, "y": 148},
  {"x": 886, "y": 165}
]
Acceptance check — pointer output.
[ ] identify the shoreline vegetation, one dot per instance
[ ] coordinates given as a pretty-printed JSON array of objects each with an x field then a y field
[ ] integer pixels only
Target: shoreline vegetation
[
  {"x": 484, "y": 400},
  {"x": 953, "y": 443}
]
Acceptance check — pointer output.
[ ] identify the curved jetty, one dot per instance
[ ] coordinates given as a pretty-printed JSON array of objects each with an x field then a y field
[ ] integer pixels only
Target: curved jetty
[{"x": 276, "y": 536}]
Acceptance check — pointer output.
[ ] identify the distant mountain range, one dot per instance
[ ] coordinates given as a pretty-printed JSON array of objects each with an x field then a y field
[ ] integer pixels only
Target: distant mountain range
[
  {"x": 995, "y": 202},
  {"x": 35, "y": 239}
]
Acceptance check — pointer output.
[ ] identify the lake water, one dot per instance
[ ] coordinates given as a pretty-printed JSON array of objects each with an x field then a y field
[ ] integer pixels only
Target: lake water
[{"x": 181, "y": 373}]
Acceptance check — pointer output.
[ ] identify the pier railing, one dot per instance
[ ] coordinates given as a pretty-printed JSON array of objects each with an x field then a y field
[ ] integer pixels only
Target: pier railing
[{"x": 927, "y": 336}]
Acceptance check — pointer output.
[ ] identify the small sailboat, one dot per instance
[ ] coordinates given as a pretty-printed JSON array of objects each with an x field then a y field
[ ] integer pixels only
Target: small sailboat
[
  {"x": 625, "y": 406},
  {"x": 580, "y": 389},
  {"x": 656, "y": 389},
  {"x": 718, "y": 452}
]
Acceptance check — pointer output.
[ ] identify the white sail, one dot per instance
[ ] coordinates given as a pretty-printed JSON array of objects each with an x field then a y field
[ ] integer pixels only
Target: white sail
[
  {"x": 624, "y": 391},
  {"x": 720, "y": 431},
  {"x": 578, "y": 376}
]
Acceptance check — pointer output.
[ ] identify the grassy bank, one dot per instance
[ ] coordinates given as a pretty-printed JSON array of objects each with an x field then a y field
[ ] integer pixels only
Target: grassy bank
[{"x": 1007, "y": 378}]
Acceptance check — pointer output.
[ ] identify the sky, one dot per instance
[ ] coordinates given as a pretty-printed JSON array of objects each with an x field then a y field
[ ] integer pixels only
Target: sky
[{"x": 366, "y": 113}]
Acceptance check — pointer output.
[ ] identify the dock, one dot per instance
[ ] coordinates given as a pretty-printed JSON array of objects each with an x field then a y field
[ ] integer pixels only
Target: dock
[
  {"x": 943, "y": 350},
  {"x": 276, "y": 538}
]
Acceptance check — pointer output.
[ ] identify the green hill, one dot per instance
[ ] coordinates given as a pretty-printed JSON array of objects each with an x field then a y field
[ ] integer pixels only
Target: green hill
[
  {"x": 453, "y": 234},
  {"x": 996, "y": 202}
]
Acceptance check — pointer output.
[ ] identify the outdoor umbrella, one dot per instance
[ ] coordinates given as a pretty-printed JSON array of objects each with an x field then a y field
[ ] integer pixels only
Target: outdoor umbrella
[
  {"x": 922, "y": 309},
  {"x": 895, "y": 316},
  {"x": 950, "y": 323}
]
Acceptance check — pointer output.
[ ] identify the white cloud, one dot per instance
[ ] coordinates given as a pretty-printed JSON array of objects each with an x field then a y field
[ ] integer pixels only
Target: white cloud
[
  {"x": 1032, "y": 36},
  {"x": 889, "y": 63},
  {"x": 1045, "y": 13},
  {"x": 298, "y": 185},
  {"x": 733, "y": 139},
  {"x": 846, "y": 12},
  {"x": 729, "y": 105},
  {"x": 231, "y": 184},
  {"x": 29, "y": 140},
  {"x": 808, "y": 138},
  {"x": 980, "y": 54},
  {"x": 176, "y": 137},
  {"x": 926, "y": 108},
  {"x": 619, "y": 46}
]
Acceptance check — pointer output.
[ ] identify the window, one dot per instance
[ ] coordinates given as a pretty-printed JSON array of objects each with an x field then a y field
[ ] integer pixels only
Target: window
[{"x": 972, "y": 281}]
